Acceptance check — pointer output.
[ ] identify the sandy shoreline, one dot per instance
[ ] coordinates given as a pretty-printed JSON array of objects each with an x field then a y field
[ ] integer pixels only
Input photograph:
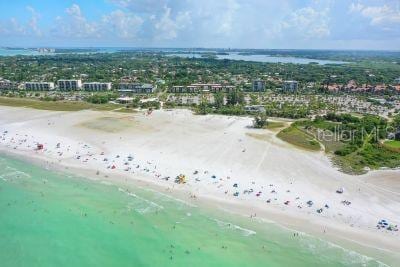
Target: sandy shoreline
[{"x": 221, "y": 151}]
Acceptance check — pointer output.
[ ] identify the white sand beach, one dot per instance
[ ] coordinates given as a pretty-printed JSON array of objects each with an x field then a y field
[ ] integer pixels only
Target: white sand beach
[{"x": 228, "y": 165}]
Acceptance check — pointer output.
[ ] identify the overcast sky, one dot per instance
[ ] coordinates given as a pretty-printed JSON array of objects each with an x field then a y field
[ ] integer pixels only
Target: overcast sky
[{"x": 309, "y": 24}]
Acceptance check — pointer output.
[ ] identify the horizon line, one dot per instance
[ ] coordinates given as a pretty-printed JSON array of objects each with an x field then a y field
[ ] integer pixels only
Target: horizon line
[{"x": 198, "y": 48}]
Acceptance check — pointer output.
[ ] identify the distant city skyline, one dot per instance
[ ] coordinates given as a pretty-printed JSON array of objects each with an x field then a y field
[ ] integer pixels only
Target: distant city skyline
[{"x": 285, "y": 24}]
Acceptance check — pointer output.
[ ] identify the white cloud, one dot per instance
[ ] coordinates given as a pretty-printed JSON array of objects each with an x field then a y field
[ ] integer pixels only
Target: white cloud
[
  {"x": 146, "y": 6},
  {"x": 356, "y": 7},
  {"x": 75, "y": 24},
  {"x": 212, "y": 23},
  {"x": 15, "y": 28},
  {"x": 123, "y": 25},
  {"x": 166, "y": 19},
  {"x": 386, "y": 15},
  {"x": 227, "y": 17},
  {"x": 306, "y": 23},
  {"x": 33, "y": 22},
  {"x": 118, "y": 23},
  {"x": 167, "y": 27}
]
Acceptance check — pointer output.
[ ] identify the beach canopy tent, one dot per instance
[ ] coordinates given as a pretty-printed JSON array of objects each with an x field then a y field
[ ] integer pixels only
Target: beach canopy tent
[
  {"x": 125, "y": 100},
  {"x": 180, "y": 179},
  {"x": 153, "y": 99}
]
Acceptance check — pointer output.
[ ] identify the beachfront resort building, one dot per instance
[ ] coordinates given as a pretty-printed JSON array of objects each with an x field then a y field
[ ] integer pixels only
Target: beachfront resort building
[
  {"x": 397, "y": 136},
  {"x": 39, "y": 86},
  {"x": 258, "y": 86},
  {"x": 397, "y": 81},
  {"x": 202, "y": 87},
  {"x": 6, "y": 84},
  {"x": 136, "y": 88},
  {"x": 69, "y": 85},
  {"x": 96, "y": 86},
  {"x": 290, "y": 86}
]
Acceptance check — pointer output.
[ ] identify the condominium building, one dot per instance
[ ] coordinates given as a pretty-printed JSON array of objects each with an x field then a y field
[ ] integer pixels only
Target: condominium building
[
  {"x": 290, "y": 86},
  {"x": 202, "y": 87},
  {"x": 6, "y": 84},
  {"x": 136, "y": 88},
  {"x": 39, "y": 86},
  {"x": 69, "y": 85},
  {"x": 258, "y": 86},
  {"x": 96, "y": 86}
]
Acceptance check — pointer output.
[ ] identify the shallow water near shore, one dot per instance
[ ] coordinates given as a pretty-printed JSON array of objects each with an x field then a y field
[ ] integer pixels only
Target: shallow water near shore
[{"x": 54, "y": 219}]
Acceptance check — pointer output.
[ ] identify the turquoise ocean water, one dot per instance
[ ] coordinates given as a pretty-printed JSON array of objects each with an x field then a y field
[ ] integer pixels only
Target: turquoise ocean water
[{"x": 54, "y": 219}]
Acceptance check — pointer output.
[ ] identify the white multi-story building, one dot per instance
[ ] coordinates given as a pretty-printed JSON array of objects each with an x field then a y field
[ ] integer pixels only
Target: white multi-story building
[
  {"x": 258, "y": 86},
  {"x": 69, "y": 85},
  {"x": 6, "y": 84},
  {"x": 136, "y": 88},
  {"x": 96, "y": 86},
  {"x": 202, "y": 87},
  {"x": 290, "y": 86},
  {"x": 39, "y": 86}
]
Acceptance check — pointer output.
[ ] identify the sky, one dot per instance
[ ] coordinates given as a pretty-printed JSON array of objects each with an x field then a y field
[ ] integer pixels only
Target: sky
[{"x": 268, "y": 24}]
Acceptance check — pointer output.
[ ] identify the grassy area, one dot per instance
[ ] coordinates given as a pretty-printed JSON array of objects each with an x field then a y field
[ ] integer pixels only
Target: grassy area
[
  {"x": 392, "y": 145},
  {"x": 299, "y": 138},
  {"x": 54, "y": 105},
  {"x": 318, "y": 129},
  {"x": 125, "y": 110},
  {"x": 376, "y": 64},
  {"x": 362, "y": 153},
  {"x": 330, "y": 144},
  {"x": 105, "y": 107},
  {"x": 371, "y": 156},
  {"x": 273, "y": 125},
  {"x": 261, "y": 137}
]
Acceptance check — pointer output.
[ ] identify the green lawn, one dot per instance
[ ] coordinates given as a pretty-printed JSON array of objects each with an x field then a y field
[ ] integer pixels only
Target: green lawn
[
  {"x": 373, "y": 156},
  {"x": 392, "y": 145},
  {"x": 360, "y": 158},
  {"x": 54, "y": 105},
  {"x": 274, "y": 125},
  {"x": 299, "y": 138}
]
